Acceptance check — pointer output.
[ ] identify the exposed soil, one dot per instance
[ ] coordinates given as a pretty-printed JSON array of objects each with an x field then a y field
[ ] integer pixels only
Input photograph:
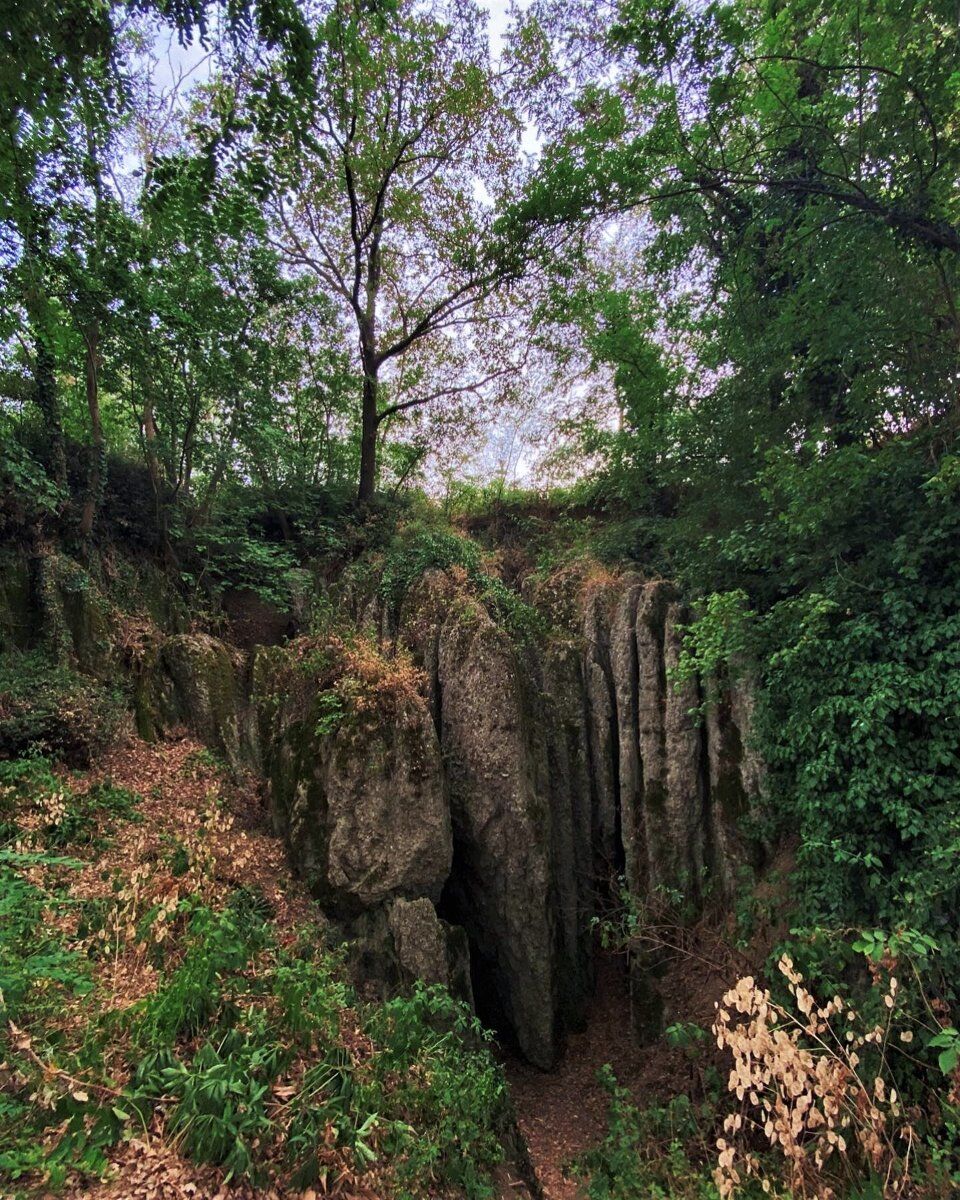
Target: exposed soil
[{"x": 563, "y": 1112}]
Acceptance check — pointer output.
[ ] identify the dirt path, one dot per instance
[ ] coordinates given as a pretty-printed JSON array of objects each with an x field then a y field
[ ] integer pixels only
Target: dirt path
[{"x": 563, "y": 1113}]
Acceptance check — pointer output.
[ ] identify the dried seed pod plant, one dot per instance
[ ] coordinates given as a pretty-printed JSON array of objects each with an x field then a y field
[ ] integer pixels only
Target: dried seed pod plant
[{"x": 815, "y": 1085}]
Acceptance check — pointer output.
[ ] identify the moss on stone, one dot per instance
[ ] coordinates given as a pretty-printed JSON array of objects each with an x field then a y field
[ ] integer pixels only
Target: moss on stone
[
  {"x": 17, "y": 613},
  {"x": 205, "y": 690},
  {"x": 655, "y": 796},
  {"x": 86, "y": 615}
]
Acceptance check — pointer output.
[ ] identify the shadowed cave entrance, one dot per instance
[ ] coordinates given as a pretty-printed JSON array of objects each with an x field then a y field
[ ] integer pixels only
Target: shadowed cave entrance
[
  {"x": 458, "y": 907},
  {"x": 464, "y": 899}
]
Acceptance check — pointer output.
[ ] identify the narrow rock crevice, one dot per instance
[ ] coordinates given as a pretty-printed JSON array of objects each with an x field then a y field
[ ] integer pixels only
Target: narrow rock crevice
[{"x": 507, "y": 802}]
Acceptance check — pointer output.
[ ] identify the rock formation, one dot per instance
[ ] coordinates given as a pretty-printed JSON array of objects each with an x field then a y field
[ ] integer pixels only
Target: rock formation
[
  {"x": 361, "y": 803},
  {"x": 460, "y": 816},
  {"x": 503, "y": 822},
  {"x": 503, "y": 800}
]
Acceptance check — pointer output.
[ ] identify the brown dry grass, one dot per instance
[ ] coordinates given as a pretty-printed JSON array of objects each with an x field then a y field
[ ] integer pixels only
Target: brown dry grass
[{"x": 807, "y": 1089}]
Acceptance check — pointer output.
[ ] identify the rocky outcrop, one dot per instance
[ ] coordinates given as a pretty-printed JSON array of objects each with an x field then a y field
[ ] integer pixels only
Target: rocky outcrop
[
  {"x": 735, "y": 779},
  {"x": 458, "y": 823},
  {"x": 672, "y": 772},
  {"x": 503, "y": 882},
  {"x": 569, "y": 763},
  {"x": 659, "y": 752},
  {"x": 429, "y": 949},
  {"x": 603, "y": 742},
  {"x": 197, "y": 683},
  {"x": 360, "y": 802},
  {"x": 680, "y": 770},
  {"x": 566, "y": 734}
]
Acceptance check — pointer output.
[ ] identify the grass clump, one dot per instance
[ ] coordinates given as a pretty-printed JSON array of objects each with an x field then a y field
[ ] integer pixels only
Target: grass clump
[
  {"x": 418, "y": 550},
  {"x": 652, "y": 1153}
]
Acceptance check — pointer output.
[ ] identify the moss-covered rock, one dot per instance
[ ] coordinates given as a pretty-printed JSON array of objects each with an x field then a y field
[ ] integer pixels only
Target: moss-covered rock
[
  {"x": 201, "y": 689},
  {"x": 86, "y": 616},
  {"x": 354, "y": 774},
  {"x": 17, "y": 612}
]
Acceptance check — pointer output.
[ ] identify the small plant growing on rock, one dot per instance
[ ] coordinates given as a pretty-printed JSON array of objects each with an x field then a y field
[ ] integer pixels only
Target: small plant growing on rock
[{"x": 334, "y": 683}]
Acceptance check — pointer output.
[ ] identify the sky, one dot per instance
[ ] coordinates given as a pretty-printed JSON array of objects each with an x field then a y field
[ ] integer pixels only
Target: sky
[
  {"x": 498, "y": 21},
  {"x": 175, "y": 58}
]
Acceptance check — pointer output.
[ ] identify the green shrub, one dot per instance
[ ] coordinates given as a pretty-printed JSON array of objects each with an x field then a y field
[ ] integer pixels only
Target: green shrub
[
  {"x": 431, "y": 1092},
  {"x": 232, "y": 552},
  {"x": 310, "y": 991},
  {"x": 857, "y": 671},
  {"x": 411, "y": 555},
  {"x": 644, "y": 1154},
  {"x": 450, "y": 1108},
  {"x": 35, "y": 965},
  {"x": 327, "y": 1096},
  {"x": 48, "y": 708},
  {"x": 244, "y": 1041},
  {"x": 843, "y": 596},
  {"x": 222, "y": 1095},
  {"x": 218, "y": 943},
  {"x": 37, "y": 972},
  {"x": 27, "y": 493}
]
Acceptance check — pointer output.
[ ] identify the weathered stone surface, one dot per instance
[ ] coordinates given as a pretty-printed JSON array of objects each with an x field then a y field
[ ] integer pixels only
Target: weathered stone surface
[
  {"x": 502, "y": 883},
  {"x": 735, "y": 779},
  {"x": 680, "y": 783},
  {"x": 422, "y": 616},
  {"x": 676, "y": 829},
  {"x": 602, "y": 738},
  {"x": 420, "y": 941},
  {"x": 568, "y": 775},
  {"x": 17, "y": 616},
  {"x": 624, "y": 672},
  {"x": 362, "y": 807},
  {"x": 198, "y": 685},
  {"x": 85, "y": 616},
  {"x": 387, "y": 822},
  {"x": 430, "y": 949}
]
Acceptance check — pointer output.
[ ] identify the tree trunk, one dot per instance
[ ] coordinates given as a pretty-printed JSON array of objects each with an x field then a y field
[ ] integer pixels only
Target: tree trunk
[
  {"x": 48, "y": 402},
  {"x": 156, "y": 478},
  {"x": 95, "y": 477},
  {"x": 36, "y": 301},
  {"x": 91, "y": 328},
  {"x": 368, "y": 438}
]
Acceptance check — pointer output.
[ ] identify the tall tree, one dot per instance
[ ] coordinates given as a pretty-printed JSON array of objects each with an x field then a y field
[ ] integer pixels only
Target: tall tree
[
  {"x": 794, "y": 168},
  {"x": 389, "y": 200},
  {"x": 62, "y": 100}
]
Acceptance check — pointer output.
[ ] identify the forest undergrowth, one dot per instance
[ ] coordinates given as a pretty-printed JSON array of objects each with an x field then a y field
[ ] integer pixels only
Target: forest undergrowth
[{"x": 178, "y": 1020}]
